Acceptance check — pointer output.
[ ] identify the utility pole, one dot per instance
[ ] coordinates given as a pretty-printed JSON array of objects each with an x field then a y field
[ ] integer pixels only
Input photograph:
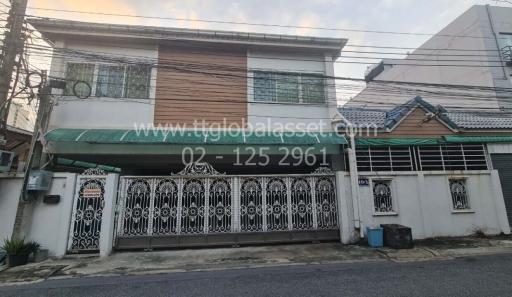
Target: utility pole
[{"x": 12, "y": 47}]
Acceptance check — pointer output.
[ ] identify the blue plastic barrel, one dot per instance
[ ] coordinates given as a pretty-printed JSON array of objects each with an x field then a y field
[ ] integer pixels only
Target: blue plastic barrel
[{"x": 375, "y": 236}]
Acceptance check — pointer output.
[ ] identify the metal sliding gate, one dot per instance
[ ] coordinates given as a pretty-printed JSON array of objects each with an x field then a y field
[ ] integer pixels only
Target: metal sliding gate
[{"x": 200, "y": 206}]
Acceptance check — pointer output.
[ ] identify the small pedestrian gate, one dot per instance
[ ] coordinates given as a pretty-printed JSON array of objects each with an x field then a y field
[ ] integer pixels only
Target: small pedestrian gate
[
  {"x": 200, "y": 206},
  {"x": 87, "y": 211}
]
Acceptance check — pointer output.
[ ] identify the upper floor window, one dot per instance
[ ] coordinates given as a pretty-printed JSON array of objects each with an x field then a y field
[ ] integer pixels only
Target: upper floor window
[
  {"x": 115, "y": 81},
  {"x": 288, "y": 87}
]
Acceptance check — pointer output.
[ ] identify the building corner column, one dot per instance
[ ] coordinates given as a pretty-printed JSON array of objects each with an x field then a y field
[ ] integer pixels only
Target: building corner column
[
  {"x": 345, "y": 215},
  {"x": 499, "y": 203}
]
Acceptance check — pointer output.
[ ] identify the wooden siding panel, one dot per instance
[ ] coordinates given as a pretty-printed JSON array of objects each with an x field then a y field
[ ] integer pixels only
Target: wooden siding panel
[{"x": 195, "y": 84}]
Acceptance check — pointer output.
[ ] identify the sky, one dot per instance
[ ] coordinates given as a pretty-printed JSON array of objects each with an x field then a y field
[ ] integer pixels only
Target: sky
[{"x": 416, "y": 16}]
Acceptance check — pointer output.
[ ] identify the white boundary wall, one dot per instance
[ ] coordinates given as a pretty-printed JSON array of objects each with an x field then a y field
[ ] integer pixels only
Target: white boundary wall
[
  {"x": 422, "y": 201},
  {"x": 10, "y": 188}
]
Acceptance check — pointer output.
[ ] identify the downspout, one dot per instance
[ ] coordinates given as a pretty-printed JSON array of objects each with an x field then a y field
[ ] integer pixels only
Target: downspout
[{"x": 354, "y": 184}]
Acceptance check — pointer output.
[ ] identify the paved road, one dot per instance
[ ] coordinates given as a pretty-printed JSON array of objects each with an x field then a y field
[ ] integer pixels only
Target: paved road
[{"x": 475, "y": 276}]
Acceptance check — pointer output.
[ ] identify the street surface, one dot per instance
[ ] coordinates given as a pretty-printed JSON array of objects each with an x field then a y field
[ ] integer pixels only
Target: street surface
[{"x": 470, "y": 276}]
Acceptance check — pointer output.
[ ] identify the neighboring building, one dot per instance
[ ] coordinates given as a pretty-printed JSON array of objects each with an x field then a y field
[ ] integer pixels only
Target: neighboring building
[
  {"x": 445, "y": 121},
  {"x": 481, "y": 37},
  {"x": 21, "y": 117}
]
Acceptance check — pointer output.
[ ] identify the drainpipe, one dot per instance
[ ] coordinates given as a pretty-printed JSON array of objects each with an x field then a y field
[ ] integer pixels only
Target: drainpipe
[{"x": 354, "y": 184}]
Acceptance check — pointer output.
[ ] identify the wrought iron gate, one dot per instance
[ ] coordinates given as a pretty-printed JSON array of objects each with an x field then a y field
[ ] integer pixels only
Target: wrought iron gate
[
  {"x": 87, "y": 212},
  {"x": 201, "y": 201}
]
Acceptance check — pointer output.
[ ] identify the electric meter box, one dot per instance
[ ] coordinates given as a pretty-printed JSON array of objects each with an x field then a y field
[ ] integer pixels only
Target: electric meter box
[{"x": 39, "y": 180}]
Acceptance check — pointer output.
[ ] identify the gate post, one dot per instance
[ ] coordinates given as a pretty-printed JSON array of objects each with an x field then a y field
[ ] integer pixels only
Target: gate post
[
  {"x": 345, "y": 218},
  {"x": 108, "y": 216}
]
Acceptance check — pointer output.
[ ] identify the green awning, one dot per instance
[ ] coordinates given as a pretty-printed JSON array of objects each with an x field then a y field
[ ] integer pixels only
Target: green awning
[
  {"x": 478, "y": 139},
  {"x": 120, "y": 136},
  {"x": 396, "y": 141},
  {"x": 81, "y": 164}
]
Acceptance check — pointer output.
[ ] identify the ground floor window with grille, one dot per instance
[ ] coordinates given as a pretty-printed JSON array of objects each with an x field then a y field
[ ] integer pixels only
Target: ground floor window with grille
[
  {"x": 382, "y": 196},
  {"x": 459, "y": 193}
]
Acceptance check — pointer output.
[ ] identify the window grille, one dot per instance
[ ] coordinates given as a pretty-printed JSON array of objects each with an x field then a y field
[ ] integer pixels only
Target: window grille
[
  {"x": 110, "y": 81},
  {"x": 114, "y": 81},
  {"x": 382, "y": 196},
  {"x": 452, "y": 157},
  {"x": 418, "y": 158},
  {"x": 137, "y": 81},
  {"x": 384, "y": 159},
  {"x": 288, "y": 87},
  {"x": 459, "y": 193},
  {"x": 79, "y": 72}
]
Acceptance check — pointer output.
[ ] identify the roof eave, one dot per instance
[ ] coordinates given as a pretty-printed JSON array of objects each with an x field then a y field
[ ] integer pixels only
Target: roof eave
[{"x": 52, "y": 27}]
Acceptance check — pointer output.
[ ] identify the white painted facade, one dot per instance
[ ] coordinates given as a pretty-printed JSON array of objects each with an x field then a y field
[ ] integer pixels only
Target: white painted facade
[
  {"x": 103, "y": 112},
  {"x": 123, "y": 113},
  {"x": 295, "y": 115},
  {"x": 10, "y": 189},
  {"x": 490, "y": 30},
  {"x": 422, "y": 201}
]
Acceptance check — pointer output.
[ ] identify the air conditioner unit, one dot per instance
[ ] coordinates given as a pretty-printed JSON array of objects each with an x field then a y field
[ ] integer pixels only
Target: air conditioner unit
[{"x": 6, "y": 159}]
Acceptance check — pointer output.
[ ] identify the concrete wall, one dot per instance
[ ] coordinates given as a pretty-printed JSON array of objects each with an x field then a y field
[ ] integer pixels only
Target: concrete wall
[
  {"x": 103, "y": 112},
  {"x": 49, "y": 224},
  {"x": 422, "y": 201},
  {"x": 10, "y": 189}
]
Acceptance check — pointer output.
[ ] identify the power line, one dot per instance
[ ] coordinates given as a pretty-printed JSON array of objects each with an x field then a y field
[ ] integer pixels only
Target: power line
[{"x": 257, "y": 24}]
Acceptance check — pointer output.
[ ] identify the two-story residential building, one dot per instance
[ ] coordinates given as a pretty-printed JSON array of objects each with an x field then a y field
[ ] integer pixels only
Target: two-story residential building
[{"x": 254, "y": 110}]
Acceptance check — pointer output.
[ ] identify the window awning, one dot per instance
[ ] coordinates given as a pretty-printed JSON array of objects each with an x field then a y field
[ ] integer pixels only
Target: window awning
[
  {"x": 81, "y": 164},
  {"x": 365, "y": 142},
  {"x": 120, "y": 136},
  {"x": 478, "y": 139}
]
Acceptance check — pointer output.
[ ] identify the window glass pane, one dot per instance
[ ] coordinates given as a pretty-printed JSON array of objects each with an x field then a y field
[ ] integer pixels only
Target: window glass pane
[
  {"x": 137, "y": 81},
  {"x": 287, "y": 87},
  {"x": 110, "y": 81},
  {"x": 264, "y": 86},
  {"x": 312, "y": 89},
  {"x": 79, "y": 72}
]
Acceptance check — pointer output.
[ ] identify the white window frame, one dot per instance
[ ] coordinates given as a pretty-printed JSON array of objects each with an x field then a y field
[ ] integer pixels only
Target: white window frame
[{"x": 394, "y": 200}]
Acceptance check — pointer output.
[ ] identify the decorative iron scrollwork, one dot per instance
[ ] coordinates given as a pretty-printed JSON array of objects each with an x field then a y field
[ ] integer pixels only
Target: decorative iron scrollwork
[
  {"x": 94, "y": 171},
  {"x": 277, "y": 205},
  {"x": 88, "y": 212},
  {"x": 302, "y": 204},
  {"x": 251, "y": 208},
  {"x": 323, "y": 170},
  {"x": 326, "y": 209},
  {"x": 199, "y": 169}
]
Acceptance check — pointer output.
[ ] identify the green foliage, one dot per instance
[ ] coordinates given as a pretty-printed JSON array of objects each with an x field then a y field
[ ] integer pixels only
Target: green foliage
[
  {"x": 33, "y": 246},
  {"x": 15, "y": 246}
]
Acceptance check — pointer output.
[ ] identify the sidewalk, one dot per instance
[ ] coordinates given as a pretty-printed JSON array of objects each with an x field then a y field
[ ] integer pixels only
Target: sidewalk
[{"x": 169, "y": 261}]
